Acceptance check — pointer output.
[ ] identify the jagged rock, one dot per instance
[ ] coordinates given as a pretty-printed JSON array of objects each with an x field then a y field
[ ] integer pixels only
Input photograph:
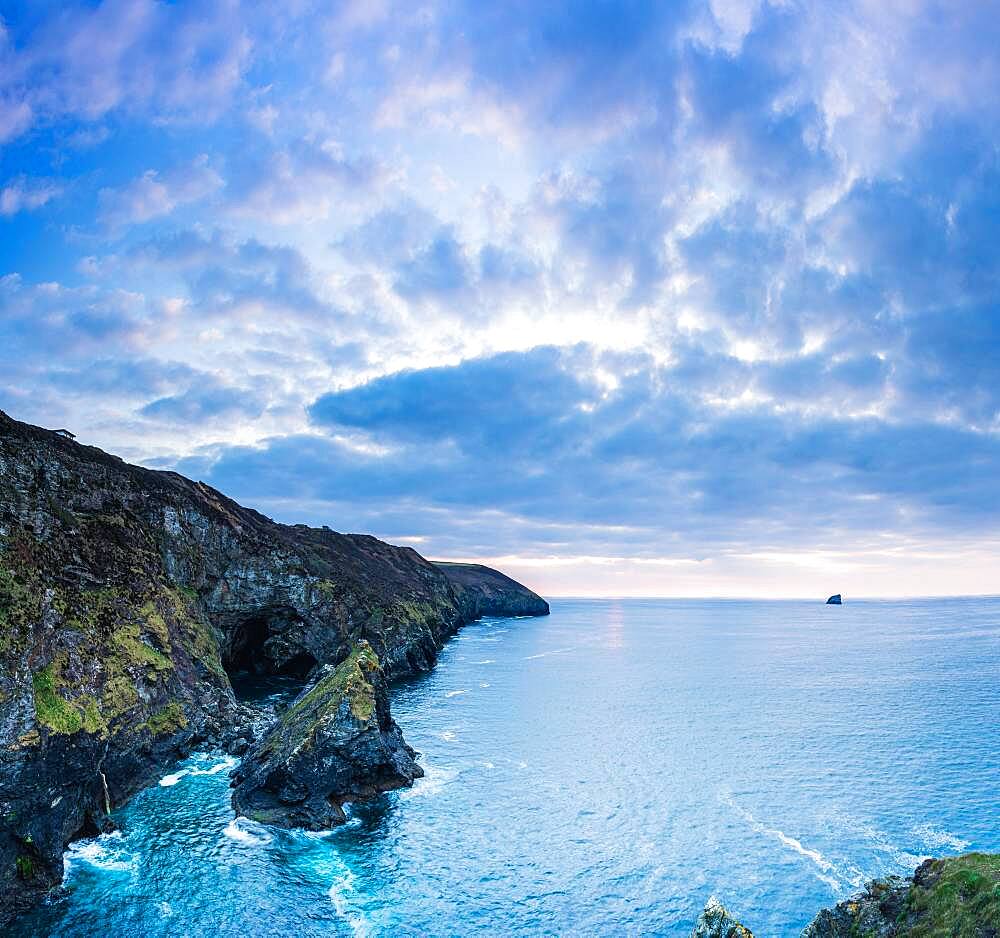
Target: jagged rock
[
  {"x": 127, "y": 596},
  {"x": 336, "y": 743},
  {"x": 716, "y": 922},
  {"x": 834, "y": 600},
  {"x": 951, "y": 896}
]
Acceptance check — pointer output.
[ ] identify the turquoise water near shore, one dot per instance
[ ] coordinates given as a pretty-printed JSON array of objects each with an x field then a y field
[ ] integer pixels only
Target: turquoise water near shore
[{"x": 602, "y": 771}]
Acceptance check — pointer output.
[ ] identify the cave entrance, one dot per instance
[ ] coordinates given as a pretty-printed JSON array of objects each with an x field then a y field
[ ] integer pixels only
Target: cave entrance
[{"x": 269, "y": 642}]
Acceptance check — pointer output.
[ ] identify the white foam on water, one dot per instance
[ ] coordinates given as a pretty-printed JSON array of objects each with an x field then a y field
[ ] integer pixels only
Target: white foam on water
[
  {"x": 102, "y": 853},
  {"x": 883, "y": 843},
  {"x": 545, "y": 654},
  {"x": 935, "y": 838},
  {"x": 487, "y": 765},
  {"x": 456, "y": 693},
  {"x": 448, "y": 735},
  {"x": 165, "y": 909},
  {"x": 227, "y": 763},
  {"x": 170, "y": 780},
  {"x": 487, "y": 661},
  {"x": 248, "y": 832},
  {"x": 341, "y": 893},
  {"x": 433, "y": 781},
  {"x": 483, "y": 684},
  {"x": 826, "y": 870}
]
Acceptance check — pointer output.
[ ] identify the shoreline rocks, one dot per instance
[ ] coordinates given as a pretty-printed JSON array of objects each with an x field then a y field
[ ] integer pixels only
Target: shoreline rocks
[
  {"x": 951, "y": 896},
  {"x": 716, "y": 922}
]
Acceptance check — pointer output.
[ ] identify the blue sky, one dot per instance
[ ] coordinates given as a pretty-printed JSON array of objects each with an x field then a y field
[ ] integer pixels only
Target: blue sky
[{"x": 664, "y": 298}]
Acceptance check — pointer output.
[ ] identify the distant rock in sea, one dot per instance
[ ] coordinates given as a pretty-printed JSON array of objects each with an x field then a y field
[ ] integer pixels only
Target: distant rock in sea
[{"x": 834, "y": 600}]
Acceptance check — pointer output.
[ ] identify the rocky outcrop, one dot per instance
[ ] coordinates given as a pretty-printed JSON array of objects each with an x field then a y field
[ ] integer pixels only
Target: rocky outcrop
[
  {"x": 716, "y": 922},
  {"x": 128, "y": 596},
  {"x": 336, "y": 743},
  {"x": 952, "y": 896},
  {"x": 482, "y": 591},
  {"x": 834, "y": 600}
]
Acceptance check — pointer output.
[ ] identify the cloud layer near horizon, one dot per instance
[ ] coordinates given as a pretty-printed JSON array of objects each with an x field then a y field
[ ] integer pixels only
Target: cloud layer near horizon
[{"x": 695, "y": 297}]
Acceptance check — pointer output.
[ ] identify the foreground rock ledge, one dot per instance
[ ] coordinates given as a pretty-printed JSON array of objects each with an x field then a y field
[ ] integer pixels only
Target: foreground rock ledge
[
  {"x": 336, "y": 743},
  {"x": 954, "y": 896}
]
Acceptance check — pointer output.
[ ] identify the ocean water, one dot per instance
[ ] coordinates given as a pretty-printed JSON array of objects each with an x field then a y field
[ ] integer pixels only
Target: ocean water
[{"x": 602, "y": 771}]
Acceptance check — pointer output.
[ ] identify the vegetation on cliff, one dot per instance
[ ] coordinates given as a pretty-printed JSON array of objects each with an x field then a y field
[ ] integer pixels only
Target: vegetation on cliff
[
  {"x": 952, "y": 897},
  {"x": 336, "y": 743}
]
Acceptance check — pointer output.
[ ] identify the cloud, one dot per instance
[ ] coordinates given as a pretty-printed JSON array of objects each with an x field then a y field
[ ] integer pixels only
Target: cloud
[
  {"x": 170, "y": 61},
  {"x": 154, "y": 195},
  {"x": 206, "y": 400},
  {"x": 25, "y": 195},
  {"x": 608, "y": 279},
  {"x": 300, "y": 182}
]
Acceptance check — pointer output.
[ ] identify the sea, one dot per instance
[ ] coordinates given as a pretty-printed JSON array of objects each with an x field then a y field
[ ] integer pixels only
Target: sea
[{"x": 600, "y": 771}]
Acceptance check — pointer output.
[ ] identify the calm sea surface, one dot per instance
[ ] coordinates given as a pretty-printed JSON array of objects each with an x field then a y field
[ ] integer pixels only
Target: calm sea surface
[{"x": 603, "y": 771}]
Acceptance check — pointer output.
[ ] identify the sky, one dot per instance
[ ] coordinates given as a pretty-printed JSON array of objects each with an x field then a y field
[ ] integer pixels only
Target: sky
[{"x": 637, "y": 298}]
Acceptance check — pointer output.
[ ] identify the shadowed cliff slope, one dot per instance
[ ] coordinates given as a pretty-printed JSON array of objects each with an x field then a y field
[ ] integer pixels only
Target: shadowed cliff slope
[{"x": 127, "y": 596}]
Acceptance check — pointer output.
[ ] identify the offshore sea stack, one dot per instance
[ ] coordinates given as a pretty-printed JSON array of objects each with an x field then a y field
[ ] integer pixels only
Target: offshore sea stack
[
  {"x": 337, "y": 742},
  {"x": 128, "y": 597}
]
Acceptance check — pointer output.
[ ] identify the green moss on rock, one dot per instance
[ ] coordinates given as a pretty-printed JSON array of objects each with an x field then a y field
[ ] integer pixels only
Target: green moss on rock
[
  {"x": 956, "y": 896},
  {"x": 51, "y": 708},
  {"x": 350, "y": 680},
  {"x": 168, "y": 720}
]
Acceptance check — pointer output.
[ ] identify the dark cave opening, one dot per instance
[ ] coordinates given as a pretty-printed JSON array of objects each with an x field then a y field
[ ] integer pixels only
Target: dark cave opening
[{"x": 268, "y": 643}]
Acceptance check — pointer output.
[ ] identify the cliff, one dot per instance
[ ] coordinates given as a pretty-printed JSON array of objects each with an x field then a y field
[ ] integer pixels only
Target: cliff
[
  {"x": 128, "y": 596},
  {"x": 482, "y": 591},
  {"x": 954, "y": 896}
]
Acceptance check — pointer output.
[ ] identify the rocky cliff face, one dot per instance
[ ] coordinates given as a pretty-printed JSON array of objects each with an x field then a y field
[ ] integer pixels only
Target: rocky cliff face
[
  {"x": 337, "y": 742},
  {"x": 954, "y": 897},
  {"x": 482, "y": 591},
  {"x": 127, "y": 596}
]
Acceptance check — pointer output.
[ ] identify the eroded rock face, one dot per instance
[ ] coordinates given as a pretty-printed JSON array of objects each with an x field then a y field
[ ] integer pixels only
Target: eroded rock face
[
  {"x": 336, "y": 743},
  {"x": 126, "y": 595},
  {"x": 949, "y": 896},
  {"x": 716, "y": 922}
]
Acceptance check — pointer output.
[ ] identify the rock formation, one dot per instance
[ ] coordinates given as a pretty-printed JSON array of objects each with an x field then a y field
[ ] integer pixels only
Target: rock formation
[
  {"x": 957, "y": 896},
  {"x": 336, "y": 743},
  {"x": 954, "y": 896},
  {"x": 128, "y": 596},
  {"x": 834, "y": 600},
  {"x": 716, "y": 922}
]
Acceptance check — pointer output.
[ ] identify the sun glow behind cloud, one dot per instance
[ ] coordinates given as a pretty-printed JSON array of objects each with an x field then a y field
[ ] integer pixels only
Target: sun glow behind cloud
[{"x": 697, "y": 298}]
